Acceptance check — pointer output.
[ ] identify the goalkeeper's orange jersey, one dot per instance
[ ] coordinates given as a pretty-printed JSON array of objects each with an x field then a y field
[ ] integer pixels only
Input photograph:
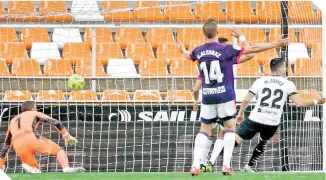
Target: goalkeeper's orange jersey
[{"x": 26, "y": 122}]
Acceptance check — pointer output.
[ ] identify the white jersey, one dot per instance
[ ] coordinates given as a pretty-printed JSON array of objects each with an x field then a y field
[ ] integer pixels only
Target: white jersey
[{"x": 272, "y": 92}]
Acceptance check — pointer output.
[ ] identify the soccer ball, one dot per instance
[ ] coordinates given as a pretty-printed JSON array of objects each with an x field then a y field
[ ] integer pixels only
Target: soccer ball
[{"x": 76, "y": 82}]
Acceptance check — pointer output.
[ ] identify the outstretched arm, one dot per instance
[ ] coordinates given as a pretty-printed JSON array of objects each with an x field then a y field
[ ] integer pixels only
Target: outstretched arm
[
  {"x": 184, "y": 51},
  {"x": 266, "y": 46},
  {"x": 306, "y": 103},
  {"x": 5, "y": 149},
  {"x": 239, "y": 35}
]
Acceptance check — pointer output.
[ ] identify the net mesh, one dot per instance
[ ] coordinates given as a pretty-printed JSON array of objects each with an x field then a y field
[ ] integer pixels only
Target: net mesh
[{"x": 135, "y": 113}]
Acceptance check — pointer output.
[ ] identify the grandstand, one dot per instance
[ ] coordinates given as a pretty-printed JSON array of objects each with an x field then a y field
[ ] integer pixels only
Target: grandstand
[{"x": 135, "y": 114}]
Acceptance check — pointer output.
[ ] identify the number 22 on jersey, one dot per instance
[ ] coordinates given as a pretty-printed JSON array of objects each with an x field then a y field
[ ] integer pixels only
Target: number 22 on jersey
[{"x": 214, "y": 73}]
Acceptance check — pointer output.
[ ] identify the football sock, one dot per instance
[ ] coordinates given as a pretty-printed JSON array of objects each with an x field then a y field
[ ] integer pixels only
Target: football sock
[
  {"x": 201, "y": 142},
  {"x": 258, "y": 151},
  {"x": 63, "y": 159},
  {"x": 229, "y": 141},
  {"x": 203, "y": 160},
  {"x": 218, "y": 146}
]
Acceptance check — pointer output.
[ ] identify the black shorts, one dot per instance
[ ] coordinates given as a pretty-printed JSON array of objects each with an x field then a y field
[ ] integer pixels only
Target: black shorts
[{"x": 248, "y": 129}]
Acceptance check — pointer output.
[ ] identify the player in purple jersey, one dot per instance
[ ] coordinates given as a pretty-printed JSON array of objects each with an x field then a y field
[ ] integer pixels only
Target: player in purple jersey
[{"x": 218, "y": 96}]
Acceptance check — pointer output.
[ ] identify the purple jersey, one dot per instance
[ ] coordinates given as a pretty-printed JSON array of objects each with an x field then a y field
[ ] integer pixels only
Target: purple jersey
[{"x": 216, "y": 70}]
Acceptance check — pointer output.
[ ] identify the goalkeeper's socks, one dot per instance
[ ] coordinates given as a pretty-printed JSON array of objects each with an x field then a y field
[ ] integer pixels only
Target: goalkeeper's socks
[
  {"x": 258, "y": 151},
  {"x": 229, "y": 140},
  {"x": 203, "y": 160},
  {"x": 218, "y": 146},
  {"x": 201, "y": 142},
  {"x": 63, "y": 159}
]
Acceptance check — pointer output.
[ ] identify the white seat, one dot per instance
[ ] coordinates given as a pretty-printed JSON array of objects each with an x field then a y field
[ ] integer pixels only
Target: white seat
[
  {"x": 297, "y": 50},
  {"x": 66, "y": 35},
  {"x": 43, "y": 51},
  {"x": 86, "y": 10},
  {"x": 241, "y": 94},
  {"x": 122, "y": 68}
]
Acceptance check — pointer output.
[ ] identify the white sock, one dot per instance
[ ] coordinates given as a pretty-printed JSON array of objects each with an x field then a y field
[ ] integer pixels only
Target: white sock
[
  {"x": 203, "y": 160},
  {"x": 218, "y": 146},
  {"x": 201, "y": 142},
  {"x": 229, "y": 141}
]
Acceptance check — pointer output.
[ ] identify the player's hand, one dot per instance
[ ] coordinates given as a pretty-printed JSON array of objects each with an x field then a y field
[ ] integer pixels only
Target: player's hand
[
  {"x": 321, "y": 99},
  {"x": 181, "y": 47},
  {"x": 284, "y": 41},
  {"x": 195, "y": 106},
  {"x": 239, "y": 119},
  {"x": 236, "y": 33},
  {"x": 69, "y": 140}
]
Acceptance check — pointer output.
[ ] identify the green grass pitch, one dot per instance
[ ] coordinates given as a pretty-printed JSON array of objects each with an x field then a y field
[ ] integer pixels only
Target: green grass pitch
[{"x": 168, "y": 176}]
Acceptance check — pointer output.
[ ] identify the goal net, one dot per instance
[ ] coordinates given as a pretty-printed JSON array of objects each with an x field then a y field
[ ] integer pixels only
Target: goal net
[{"x": 135, "y": 112}]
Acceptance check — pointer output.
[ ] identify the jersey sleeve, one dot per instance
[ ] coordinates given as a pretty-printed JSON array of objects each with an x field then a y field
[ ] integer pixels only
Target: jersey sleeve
[
  {"x": 254, "y": 89},
  {"x": 235, "y": 52},
  {"x": 199, "y": 77},
  {"x": 193, "y": 56},
  {"x": 292, "y": 89}
]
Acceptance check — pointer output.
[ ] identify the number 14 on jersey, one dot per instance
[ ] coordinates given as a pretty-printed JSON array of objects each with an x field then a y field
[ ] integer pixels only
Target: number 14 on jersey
[{"x": 214, "y": 73}]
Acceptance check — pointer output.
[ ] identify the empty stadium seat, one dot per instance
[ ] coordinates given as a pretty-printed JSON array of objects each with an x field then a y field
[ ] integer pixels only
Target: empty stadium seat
[
  {"x": 76, "y": 52},
  {"x": 115, "y": 95},
  {"x": 54, "y": 11},
  {"x": 84, "y": 67},
  {"x": 50, "y": 95},
  {"x": 156, "y": 36},
  {"x": 26, "y": 67},
  {"x": 22, "y": 11},
  {"x": 122, "y": 68},
  {"x": 308, "y": 94},
  {"x": 57, "y": 67},
  {"x": 43, "y": 51},
  {"x": 30, "y": 35},
  {"x": 86, "y": 10},
  {"x": 61, "y": 36},
  {"x": 225, "y": 33},
  {"x": 179, "y": 11},
  {"x": 267, "y": 11},
  {"x": 310, "y": 36},
  {"x": 148, "y": 11},
  {"x": 153, "y": 68},
  {"x": 307, "y": 67},
  {"x": 11, "y": 51},
  {"x": 8, "y": 35},
  {"x": 241, "y": 94},
  {"x": 207, "y": 10},
  {"x": 83, "y": 95},
  {"x": 4, "y": 71},
  {"x": 241, "y": 11},
  {"x": 316, "y": 51},
  {"x": 190, "y": 35},
  {"x": 249, "y": 68},
  {"x": 254, "y": 35},
  {"x": 183, "y": 67},
  {"x": 103, "y": 35},
  {"x": 3, "y": 16},
  {"x": 128, "y": 35},
  {"x": 143, "y": 95},
  {"x": 297, "y": 50},
  {"x": 18, "y": 95},
  {"x": 275, "y": 34},
  {"x": 117, "y": 11},
  {"x": 168, "y": 51},
  {"x": 265, "y": 56},
  {"x": 179, "y": 95},
  {"x": 302, "y": 12},
  {"x": 105, "y": 51},
  {"x": 140, "y": 51}
]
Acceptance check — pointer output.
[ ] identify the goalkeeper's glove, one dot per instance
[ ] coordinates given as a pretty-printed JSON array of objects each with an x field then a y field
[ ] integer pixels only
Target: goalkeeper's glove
[{"x": 69, "y": 140}]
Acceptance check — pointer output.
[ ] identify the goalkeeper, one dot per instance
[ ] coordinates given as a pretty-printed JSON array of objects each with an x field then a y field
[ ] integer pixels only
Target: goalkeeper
[{"x": 22, "y": 135}]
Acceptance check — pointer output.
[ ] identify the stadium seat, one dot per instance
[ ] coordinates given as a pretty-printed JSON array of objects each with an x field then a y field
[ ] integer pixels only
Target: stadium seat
[
  {"x": 83, "y": 95},
  {"x": 57, "y": 67},
  {"x": 148, "y": 11},
  {"x": 30, "y": 35},
  {"x": 54, "y": 11},
  {"x": 84, "y": 67},
  {"x": 86, "y": 10},
  {"x": 179, "y": 95},
  {"x": 76, "y": 52},
  {"x": 105, "y": 51},
  {"x": 61, "y": 36},
  {"x": 266, "y": 56},
  {"x": 254, "y": 35},
  {"x": 241, "y": 94},
  {"x": 249, "y": 68},
  {"x": 302, "y": 12},
  {"x": 183, "y": 67},
  {"x": 190, "y": 35},
  {"x": 26, "y": 67},
  {"x": 307, "y": 67},
  {"x": 241, "y": 12},
  {"x": 267, "y": 11},
  {"x": 43, "y": 51},
  {"x": 179, "y": 11},
  {"x": 153, "y": 68},
  {"x": 117, "y": 11},
  {"x": 275, "y": 34},
  {"x": 18, "y": 95},
  {"x": 4, "y": 71},
  {"x": 140, "y": 51},
  {"x": 22, "y": 11},
  {"x": 128, "y": 35},
  {"x": 207, "y": 10},
  {"x": 50, "y": 95},
  {"x": 168, "y": 51},
  {"x": 156, "y": 36},
  {"x": 225, "y": 33},
  {"x": 192, "y": 46},
  {"x": 8, "y": 35},
  {"x": 310, "y": 36},
  {"x": 316, "y": 51},
  {"x": 103, "y": 35},
  {"x": 308, "y": 94},
  {"x": 122, "y": 68},
  {"x": 143, "y": 95},
  {"x": 11, "y": 51},
  {"x": 115, "y": 95},
  {"x": 3, "y": 16}
]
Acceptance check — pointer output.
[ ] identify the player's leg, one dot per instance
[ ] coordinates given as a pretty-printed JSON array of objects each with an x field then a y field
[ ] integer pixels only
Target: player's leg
[
  {"x": 218, "y": 146},
  {"x": 204, "y": 160},
  {"x": 208, "y": 115}
]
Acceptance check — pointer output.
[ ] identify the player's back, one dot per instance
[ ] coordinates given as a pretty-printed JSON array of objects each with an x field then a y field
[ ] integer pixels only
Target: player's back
[{"x": 24, "y": 123}]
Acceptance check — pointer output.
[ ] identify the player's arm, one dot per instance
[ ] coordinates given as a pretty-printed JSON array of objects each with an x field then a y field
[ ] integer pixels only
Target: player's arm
[
  {"x": 5, "y": 149},
  {"x": 239, "y": 35},
  {"x": 266, "y": 46},
  {"x": 184, "y": 51},
  {"x": 245, "y": 102},
  {"x": 195, "y": 92},
  {"x": 295, "y": 98}
]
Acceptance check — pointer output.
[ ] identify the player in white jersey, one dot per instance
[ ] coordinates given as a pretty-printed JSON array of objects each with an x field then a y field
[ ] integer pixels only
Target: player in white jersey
[{"x": 272, "y": 92}]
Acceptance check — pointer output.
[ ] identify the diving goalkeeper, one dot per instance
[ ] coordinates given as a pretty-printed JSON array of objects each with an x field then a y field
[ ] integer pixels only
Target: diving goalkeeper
[{"x": 22, "y": 135}]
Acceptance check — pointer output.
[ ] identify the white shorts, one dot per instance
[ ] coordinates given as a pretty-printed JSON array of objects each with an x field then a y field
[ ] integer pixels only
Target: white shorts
[{"x": 209, "y": 113}]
